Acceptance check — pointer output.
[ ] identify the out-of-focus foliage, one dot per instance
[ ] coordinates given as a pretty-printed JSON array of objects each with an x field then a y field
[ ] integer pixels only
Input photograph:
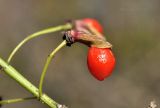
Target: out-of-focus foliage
[{"x": 132, "y": 26}]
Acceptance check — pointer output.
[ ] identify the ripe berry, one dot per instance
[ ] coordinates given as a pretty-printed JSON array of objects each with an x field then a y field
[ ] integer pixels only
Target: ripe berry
[
  {"x": 94, "y": 23},
  {"x": 101, "y": 62}
]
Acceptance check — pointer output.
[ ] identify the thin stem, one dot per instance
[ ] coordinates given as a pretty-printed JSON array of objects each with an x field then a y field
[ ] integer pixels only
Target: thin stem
[
  {"x": 37, "y": 34},
  {"x": 16, "y": 100},
  {"x": 49, "y": 58},
  {"x": 13, "y": 73}
]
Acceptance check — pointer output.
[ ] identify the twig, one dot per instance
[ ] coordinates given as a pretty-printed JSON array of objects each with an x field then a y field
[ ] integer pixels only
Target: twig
[
  {"x": 50, "y": 57},
  {"x": 15, "y": 100},
  {"x": 37, "y": 34},
  {"x": 13, "y": 73}
]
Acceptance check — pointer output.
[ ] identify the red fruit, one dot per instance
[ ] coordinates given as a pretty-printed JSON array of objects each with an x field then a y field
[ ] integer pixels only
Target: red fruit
[
  {"x": 94, "y": 23},
  {"x": 101, "y": 62}
]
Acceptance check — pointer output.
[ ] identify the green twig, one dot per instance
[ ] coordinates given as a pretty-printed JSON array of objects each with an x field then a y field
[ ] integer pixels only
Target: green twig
[
  {"x": 15, "y": 100},
  {"x": 50, "y": 57},
  {"x": 13, "y": 73},
  {"x": 37, "y": 34}
]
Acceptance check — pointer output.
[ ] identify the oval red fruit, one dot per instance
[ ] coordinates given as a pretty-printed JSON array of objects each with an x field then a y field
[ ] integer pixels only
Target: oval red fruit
[
  {"x": 101, "y": 62},
  {"x": 94, "y": 23}
]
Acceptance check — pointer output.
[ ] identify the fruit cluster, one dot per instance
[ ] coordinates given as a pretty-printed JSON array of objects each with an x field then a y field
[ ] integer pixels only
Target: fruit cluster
[{"x": 100, "y": 59}]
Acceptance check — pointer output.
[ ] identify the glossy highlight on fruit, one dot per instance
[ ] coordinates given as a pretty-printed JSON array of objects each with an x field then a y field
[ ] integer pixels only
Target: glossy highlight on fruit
[
  {"x": 101, "y": 62},
  {"x": 94, "y": 23}
]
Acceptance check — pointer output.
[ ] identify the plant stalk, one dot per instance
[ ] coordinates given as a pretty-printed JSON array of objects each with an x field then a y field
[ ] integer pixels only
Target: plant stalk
[
  {"x": 13, "y": 73},
  {"x": 15, "y": 100},
  {"x": 37, "y": 34},
  {"x": 50, "y": 57}
]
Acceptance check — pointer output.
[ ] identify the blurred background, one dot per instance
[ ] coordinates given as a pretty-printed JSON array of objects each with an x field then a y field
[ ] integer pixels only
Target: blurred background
[{"x": 132, "y": 26}]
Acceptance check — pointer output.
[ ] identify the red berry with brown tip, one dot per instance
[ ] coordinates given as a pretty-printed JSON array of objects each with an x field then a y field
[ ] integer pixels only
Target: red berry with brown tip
[
  {"x": 101, "y": 62},
  {"x": 94, "y": 23}
]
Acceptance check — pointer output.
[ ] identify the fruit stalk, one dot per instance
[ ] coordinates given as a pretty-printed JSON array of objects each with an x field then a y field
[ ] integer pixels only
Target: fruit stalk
[
  {"x": 49, "y": 59},
  {"x": 37, "y": 34}
]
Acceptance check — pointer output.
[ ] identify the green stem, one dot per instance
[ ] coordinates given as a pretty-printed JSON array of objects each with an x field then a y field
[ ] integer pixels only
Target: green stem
[
  {"x": 50, "y": 57},
  {"x": 13, "y": 73},
  {"x": 37, "y": 34},
  {"x": 16, "y": 100}
]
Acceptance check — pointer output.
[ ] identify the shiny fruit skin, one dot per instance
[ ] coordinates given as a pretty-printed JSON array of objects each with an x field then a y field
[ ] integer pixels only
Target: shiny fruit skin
[
  {"x": 94, "y": 23},
  {"x": 101, "y": 62}
]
